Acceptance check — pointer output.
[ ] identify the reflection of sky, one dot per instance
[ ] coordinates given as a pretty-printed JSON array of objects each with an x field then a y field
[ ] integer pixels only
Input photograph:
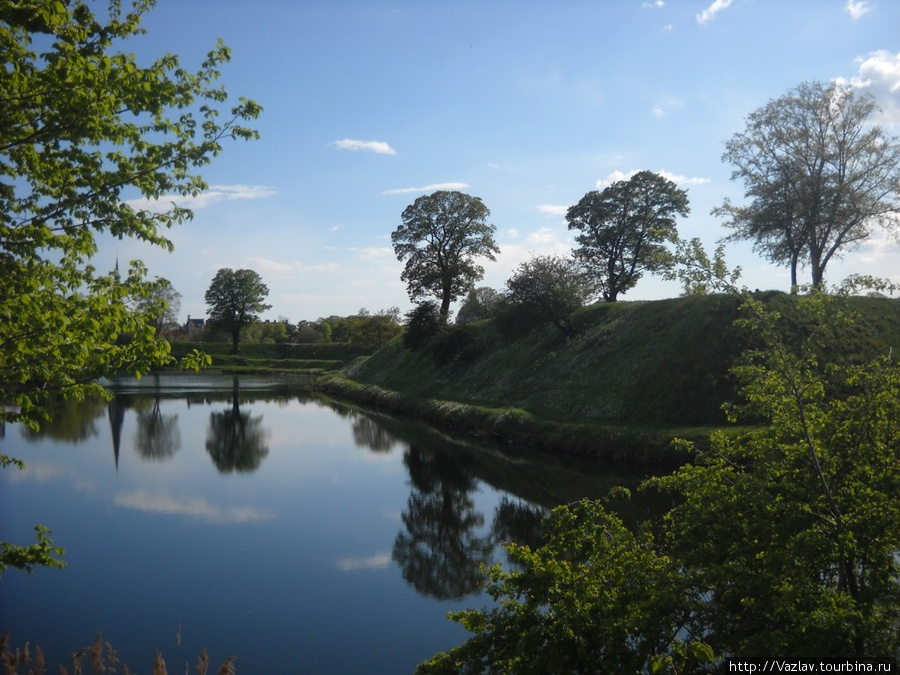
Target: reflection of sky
[
  {"x": 283, "y": 565},
  {"x": 289, "y": 565},
  {"x": 194, "y": 507}
]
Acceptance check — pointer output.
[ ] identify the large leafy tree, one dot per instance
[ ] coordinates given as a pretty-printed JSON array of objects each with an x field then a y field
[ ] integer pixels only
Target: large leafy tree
[
  {"x": 440, "y": 237},
  {"x": 85, "y": 128},
  {"x": 819, "y": 176},
  {"x": 624, "y": 229},
  {"x": 235, "y": 298}
]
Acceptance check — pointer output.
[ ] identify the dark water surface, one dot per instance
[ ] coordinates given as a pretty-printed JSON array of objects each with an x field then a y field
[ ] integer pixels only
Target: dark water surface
[{"x": 256, "y": 520}]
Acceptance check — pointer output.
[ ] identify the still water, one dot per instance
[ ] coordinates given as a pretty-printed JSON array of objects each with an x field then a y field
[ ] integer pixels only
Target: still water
[{"x": 257, "y": 520}]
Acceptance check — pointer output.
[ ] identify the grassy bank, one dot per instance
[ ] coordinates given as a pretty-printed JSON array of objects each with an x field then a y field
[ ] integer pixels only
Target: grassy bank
[
  {"x": 516, "y": 429},
  {"x": 635, "y": 375}
]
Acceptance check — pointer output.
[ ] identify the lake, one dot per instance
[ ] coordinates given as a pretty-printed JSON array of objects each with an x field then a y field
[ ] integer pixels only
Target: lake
[{"x": 255, "y": 519}]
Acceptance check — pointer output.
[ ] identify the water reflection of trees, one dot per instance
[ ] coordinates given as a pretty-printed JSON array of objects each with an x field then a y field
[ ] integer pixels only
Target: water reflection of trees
[
  {"x": 236, "y": 440},
  {"x": 367, "y": 433},
  {"x": 441, "y": 551},
  {"x": 519, "y": 522},
  {"x": 156, "y": 435},
  {"x": 70, "y": 421}
]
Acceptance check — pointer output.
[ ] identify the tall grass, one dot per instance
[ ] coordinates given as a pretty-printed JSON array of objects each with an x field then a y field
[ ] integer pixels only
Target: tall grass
[{"x": 101, "y": 659}]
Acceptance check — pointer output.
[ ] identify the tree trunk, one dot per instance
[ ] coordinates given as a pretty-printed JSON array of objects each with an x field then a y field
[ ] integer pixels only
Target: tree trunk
[
  {"x": 235, "y": 339},
  {"x": 445, "y": 303},
  {"x": 794, "y": 256}
]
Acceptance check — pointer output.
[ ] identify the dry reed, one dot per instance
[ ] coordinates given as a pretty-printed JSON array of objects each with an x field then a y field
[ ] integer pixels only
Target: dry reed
[{"x": 103, "y": 658}]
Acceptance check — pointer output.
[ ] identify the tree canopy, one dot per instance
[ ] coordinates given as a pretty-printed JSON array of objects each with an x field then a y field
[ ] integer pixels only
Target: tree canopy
[
  {"x": 440, "y": 237},
  {"x": 87, "y": 133},
  {"x": 234, "y": 299},
  {"x": 161, "y": 305},
  {"x": 624, "y": 229},
  {"x": 819, "y": 176},
  {"x": 550, "y": 289}
]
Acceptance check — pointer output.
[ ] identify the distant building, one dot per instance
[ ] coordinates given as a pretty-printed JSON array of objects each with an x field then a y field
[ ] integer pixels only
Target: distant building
[{"x": 194, "y": 326}]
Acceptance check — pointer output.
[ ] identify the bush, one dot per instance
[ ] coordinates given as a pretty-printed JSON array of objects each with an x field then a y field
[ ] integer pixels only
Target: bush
[
  {"x": 454, "y": 343},
  {"x": 422, "y": 323},
  {"x": 549, "y": 289}
]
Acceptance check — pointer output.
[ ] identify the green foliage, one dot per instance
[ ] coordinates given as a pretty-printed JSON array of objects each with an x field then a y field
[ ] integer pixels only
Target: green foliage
[
  {"x": 90, "y": 141},
  {"x": 549, "y": 289},
  {"x": 439, "y": 238},
  {"x": 454, "y": 343},
  {"x": 234, "y": 300},
  {"x": 782, "y": 541},
  {"x": 624, "y": 229},
  {"x": 819, "y": 176},
  {"x": 42, "y": 553},
  {"x": 797, "y": 524},
  {"x": 480, "y": 303},
  {"x": 267, "y": 332},
  {"x": 371, "y": 332},
  {"x": 596, "y": 598},
  {"x": 422, "y": 323}
]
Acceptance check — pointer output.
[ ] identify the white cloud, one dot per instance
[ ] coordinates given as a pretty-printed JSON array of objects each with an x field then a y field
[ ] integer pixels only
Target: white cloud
[
  {"x": 657, "y": 3},
  {"x": 552, "y": 209},
  {"x": 512, "y": 233},
  {"x": 660, "y": 112},
  {"x": 142, "y": 500},
  {"x": 378, "y": 147},
  {"x": 378, "y": 561},
  {"x": 426, "y": 188},
  {"x": 667, "y": 27},
  {"x": 678, "y": 179},
  {"x": 544, "y": 237},
  {"x": 857, "y": 9},
  {"x": 879, "y": 73},
  {"x": 38, "y": 472},
  {"x": 215, "y": 194},
  {"x": 377, "y": 253},
  {"x": 710, "y": 12}
]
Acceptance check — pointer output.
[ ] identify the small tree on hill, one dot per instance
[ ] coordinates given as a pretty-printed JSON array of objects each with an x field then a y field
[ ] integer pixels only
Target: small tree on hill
[
  {"x": 479, "y": 304},
  {"x": 235, "y": 300},
  {"x": 550, "y": 289}
]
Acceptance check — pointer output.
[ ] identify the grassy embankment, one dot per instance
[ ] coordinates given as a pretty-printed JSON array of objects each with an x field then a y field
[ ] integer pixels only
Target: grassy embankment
[{"x": 636, "y": 375}]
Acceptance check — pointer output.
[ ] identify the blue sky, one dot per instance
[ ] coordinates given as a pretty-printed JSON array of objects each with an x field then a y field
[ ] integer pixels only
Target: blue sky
[{"x": 528, "y": 105}]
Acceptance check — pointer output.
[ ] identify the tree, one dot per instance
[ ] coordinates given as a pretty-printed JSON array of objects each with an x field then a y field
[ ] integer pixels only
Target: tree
[
  {"x": 84, "y": 126},
  {"x": 374, "y": 331},
  {"x": 550, "y": 289},
  {"x": 234, "y": 300},
  {"x": 624, "y": 229},
  {"x": 819, "y": 176},
  {"x": 439, "y": 238},
  {"x": 161, "y": 305},
  {"x": 423, "y": 323},
  {"x": 479, "y": 304}
]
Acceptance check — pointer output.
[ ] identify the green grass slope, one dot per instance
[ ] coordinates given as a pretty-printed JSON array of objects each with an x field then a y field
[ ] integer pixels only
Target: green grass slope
[{"x": 655, "y": 364}]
